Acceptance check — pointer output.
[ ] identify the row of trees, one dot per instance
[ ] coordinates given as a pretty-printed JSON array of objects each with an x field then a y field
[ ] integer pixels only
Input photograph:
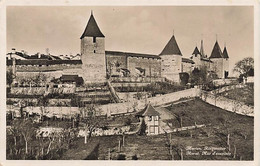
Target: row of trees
[{"x": 23, "y": 143}]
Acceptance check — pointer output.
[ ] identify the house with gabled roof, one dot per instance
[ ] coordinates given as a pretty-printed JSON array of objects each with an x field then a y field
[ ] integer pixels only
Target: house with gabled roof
[{"x": 151, "y": 119}]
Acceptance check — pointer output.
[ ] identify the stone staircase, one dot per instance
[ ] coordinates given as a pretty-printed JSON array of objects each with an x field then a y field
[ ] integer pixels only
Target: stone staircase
[{"x": 99, "y": 94}]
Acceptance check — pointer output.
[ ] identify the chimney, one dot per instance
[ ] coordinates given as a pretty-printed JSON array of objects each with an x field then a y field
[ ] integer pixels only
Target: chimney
[
  {"x": 39, "y": 55},
  {"x": 13, "y": 51}
]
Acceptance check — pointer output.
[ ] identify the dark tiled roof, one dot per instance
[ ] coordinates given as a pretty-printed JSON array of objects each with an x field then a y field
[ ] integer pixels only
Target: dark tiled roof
[
  {"x": 20, "y": 54},
  {"x": 69, "y": 78},
  {"x": 205, "y": 59},
  {"x": 196, "y": 51},
  {"x": 92, "y": 29},
  {"x": 129, "y": 54},
  {"x": 43, "y": 62},
  {"x": 216, "y": 52},
  {"x": 171, "y": 48},
  {"x": 225, "y": 53},
  {"x": 140, "y": 69},
  {"x": 49, "y": 57},
  {"x": 149, "y": 110},
  {"x": 187, "y": 60}
]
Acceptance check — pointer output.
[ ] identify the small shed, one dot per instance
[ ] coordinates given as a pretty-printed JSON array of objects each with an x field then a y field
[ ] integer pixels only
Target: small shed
[{"x": 151, "y": 118}]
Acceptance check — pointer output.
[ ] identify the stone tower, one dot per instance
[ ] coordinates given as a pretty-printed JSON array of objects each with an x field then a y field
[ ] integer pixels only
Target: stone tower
[
  {"x": 202, "y": 50},
  {"x": 93, "y": 53},
  {"x": 226, "y": 62},
  {"x": 171, "y": 60},
  {"x": 196, "y": 57},
  {"x": 218, "y": 61}
]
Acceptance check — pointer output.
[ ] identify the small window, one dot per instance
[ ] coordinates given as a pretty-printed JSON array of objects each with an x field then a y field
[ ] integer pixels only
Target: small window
[
  {"x": 94, "y": 51},
  {"x": 152, "y": 129},
  {"x": 150, "y": 118},
  {"x": 94, "y": 39},
  {"x": 156, "y": 118}
]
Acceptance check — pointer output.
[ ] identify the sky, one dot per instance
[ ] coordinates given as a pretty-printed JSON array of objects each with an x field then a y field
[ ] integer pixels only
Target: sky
[{"x": 139, "y": 29}]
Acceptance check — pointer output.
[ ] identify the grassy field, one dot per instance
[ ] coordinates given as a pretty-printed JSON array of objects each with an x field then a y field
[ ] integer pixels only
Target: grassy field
[
  {"x": 245, "y": 94},
  {"x": 219, "y": 123}
]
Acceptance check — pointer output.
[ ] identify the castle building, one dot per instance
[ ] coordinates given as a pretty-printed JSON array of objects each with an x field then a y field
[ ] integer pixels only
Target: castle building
[
  {"x": 220, "y": 61},
  {"x": 93, "y": 52},
  {"x": 226, "y": 61},
  {"x": 200, "y": 58},
  {"x": 171, "y": 60},
  {"x": 96, "y": 64}
]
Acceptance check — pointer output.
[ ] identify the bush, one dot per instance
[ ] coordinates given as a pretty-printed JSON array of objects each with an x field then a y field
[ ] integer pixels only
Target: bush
[
  {"x": 134, "y": 157},
  {"x": 142, "y": 128},
  {"x": 121, "y": 157},
  {"x": 184, "y": 133},
  {"x": 128, "y": 122},
  {"x": 184, "y": 77}
]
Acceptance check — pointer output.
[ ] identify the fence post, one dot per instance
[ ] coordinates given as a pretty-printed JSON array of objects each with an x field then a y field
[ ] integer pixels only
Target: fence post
[
  {"x": 123, "y": 140},
  {"x": 228, "y": 143},
  {"x": 235, "y": 151},
  {"x": 181, "y": 154},
  {"x": 109, "y": 155},
  {"x": 119, "y": 146}
]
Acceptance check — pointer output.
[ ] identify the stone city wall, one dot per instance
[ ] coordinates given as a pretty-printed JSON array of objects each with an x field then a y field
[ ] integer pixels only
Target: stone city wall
[
  {"x": 227, "y": 104},
  {"x": 151, "y": 66},
  {"x": 44, "y": 68},
  {"x": 137, "y": 79},
  {"x": 28, "y": 90},
  {"x": 118, "y": 108}
]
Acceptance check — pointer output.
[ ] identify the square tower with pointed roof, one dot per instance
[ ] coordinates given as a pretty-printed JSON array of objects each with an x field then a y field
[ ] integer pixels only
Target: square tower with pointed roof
[
  {"x": 171, "y": 60},
  {"x": 220, "y": 61},
  {"x": 93, "y": 53}
]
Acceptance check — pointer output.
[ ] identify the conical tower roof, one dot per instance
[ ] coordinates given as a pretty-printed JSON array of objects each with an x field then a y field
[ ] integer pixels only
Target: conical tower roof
[
  {"x": 171, "y": 48},
  {"x": 216, "y": 52},
  {"x": 225, "y": 53},
  {"x": 149, "y": 110},
  {"x": 92, "y": 29},
  {"x": 196, "y": 51}
]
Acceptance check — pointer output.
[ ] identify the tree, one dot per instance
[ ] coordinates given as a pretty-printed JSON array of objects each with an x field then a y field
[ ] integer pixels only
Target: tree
[
  {"x": 184, "y": 77},
  {"x": 9, "y": 77},
  {"x": 225, "y": 129},
  {"x": 91, "y": 121},
  {"x": 142, "y": 128},
  {"x": 198, "y": 77},
  {"x": 26, "y": 129},
  {"x": 245, "y": 66},
  {"x": 179, "y": 116}
]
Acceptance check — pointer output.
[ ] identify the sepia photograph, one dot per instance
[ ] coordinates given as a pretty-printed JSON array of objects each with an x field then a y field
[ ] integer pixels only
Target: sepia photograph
[{"x": 129, "y": 83}]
